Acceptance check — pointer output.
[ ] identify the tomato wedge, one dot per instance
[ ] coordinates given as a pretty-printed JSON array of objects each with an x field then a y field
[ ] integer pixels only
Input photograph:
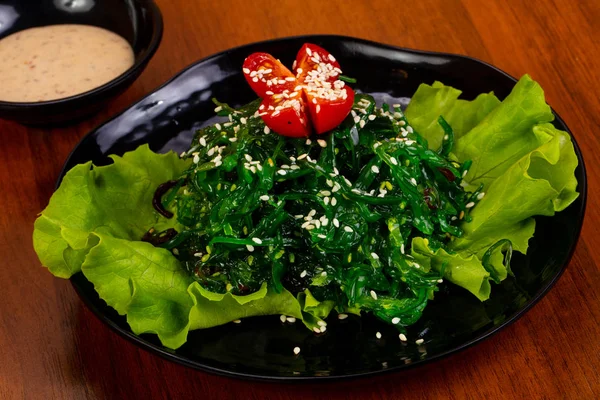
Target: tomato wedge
[{"x": 292, "y": 103}]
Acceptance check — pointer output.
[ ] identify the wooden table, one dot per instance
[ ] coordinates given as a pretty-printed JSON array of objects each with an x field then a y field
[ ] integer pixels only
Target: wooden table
[{"x": 52, "y": 347}]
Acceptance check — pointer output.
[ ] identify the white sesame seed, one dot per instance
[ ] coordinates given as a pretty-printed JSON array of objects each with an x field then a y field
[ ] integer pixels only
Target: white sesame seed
[
  {"x": 325, "y": 192},
  {"x": 395, "y": 320},
  {"x": 296, "y": 350},
  {"x": 320, "y": 235},
  {"x": 470, "y": 204},
  {"x": 312, "y": 213},
  {"x": 203, "y": 141},
  {"x": 323, "y": 329},
  {"x": 342, "y": 316},
  {"x": 246, "y": 70},
  {"x": 310, "y": 227},
  {"x": 336, "y": 223},
  {"x": 372, "y": 117},
  {"x": 373, "y": 294},
  {"x": 413, "y": 181},
  {"x": 440, "y": 281},
  {"x": 480, "y": 195},
  {"x": 410, "y": 129},
  {"x": 219, "y": 108},
  {"x": 267, "y": 130},
  {"x": 397, "y": 115},
  {"x": 303, "y": 274},
  {"x": 356, "y": 119},
  {"x": 322, "y": 143},
  {"x": 321, "y": 323},
  {"x": 257, "y": 240},
  {"x": 255, "y": 79},
  {"x": 318, "y": 108},
  {"x": 331, "y": 58},
  {"x": 281, "y": 172},
  {"x": 375, "y": 169},
  {"x": 302, "y": 156},
  {"x": 308, "y": 142},
  {"x": 265, "y": 197},
  {"x": 304, "y": 225},
  {"x": 419, "y": 341},
  {"x": 316, "y": 330},
  {"x": 333, "y": 201},
  {"x": 465, "y": 173},
  {"x": 250, "y": 248},
  {"x": 196, "y": 159},
  {"x": 236, "y": 321},
  {"x": 375, "y": 256},
  {"x": 291, "y": 320},
  {"x": 308, "y": 51},
  {"x": 326, "y": 200},
  {"x": 402, "y": 337},
  {"x": 348, "y": 229},
  {"x": 336, "y": 187},
  {"x": 378, "y": 335},
  {"x": 248, "y": 157},
  {"x": 282, "y": 318},
  {"x": 233, "y": 139},
  {"x": 198, "y": 254},
  {"x": 362, "y": 123},
  {"x": 324, "y": 273}
]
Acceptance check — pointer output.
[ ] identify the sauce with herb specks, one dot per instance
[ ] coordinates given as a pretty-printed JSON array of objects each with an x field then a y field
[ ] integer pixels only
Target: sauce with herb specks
[{"x": 59, "y": 61}]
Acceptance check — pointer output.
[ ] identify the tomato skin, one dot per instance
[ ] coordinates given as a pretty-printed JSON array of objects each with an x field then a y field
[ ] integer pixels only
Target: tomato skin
[
  {"x": 304, "y": 62},
  {"x": 258, "y": 82},
  {"x": 331, "y": 113},
  {"x": 287, "y": 122}
]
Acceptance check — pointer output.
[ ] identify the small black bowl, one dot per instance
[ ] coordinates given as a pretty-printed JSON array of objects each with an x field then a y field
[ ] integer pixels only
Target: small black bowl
[{"x": 138, "y": 21}]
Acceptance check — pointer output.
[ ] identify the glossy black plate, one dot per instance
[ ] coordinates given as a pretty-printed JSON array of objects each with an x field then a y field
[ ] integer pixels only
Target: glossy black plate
[{"x": 261, "y": 347}]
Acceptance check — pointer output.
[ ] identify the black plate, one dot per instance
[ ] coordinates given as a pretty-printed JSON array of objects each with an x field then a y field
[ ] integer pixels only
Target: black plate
[{"x": 261, "y": 347}]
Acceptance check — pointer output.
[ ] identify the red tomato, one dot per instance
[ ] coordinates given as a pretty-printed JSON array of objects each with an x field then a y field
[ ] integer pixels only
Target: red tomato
[
  {"x": 291, "y": 120},
  {"x": 327, "y": 114},
  {"x": 265, "y": 74},
  {"x": 292, "y": 103}
]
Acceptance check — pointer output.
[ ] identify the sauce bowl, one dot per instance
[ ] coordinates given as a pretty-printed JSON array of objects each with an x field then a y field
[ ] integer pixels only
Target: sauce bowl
[{"x": 137, "y": 21}]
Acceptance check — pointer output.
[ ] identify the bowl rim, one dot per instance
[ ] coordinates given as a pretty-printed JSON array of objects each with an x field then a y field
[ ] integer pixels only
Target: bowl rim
[
  {"x": 170, "y": 355},
  {"x": 147, "y": 54}
]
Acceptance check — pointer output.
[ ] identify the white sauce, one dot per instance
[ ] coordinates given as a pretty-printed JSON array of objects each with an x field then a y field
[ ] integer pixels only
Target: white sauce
[{"x": 58, "y": 61}]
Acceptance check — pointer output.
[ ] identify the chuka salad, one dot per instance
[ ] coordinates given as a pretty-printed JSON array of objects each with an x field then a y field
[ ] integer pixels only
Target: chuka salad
[{"x": 313, "y": 200}]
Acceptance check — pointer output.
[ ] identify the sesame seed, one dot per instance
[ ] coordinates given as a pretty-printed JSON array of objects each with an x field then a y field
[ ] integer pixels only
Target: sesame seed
[
  {"x": 308, "y": 142},
  {"x": 318, "y": 108},
  {"x": 480, "y": 195},
  {"x": 413, "y": 181},
  {"x": 348, "y": 229},
  {"x": 470, "y": 204},
  {"x": 396, "y": 105},
  {"x": 373, "y": 294},
  {"x": 246, "y": 70},
  {"x": 440, "y": 281},
  {"x": 326, "y": 200},
  {"x": 378, "y": 335},
  {"x": 304, "y": 225},
  {"x": 264, "y": 197},
  {"x": 291, "y": 320},
  {"x": 331, "y": 58},
  {"x": 296, "y": 350},
  {"x": 402, "y": 337},
  {"x": 312, "y": 213},
  {"x": 322, "y": 143},
  {"x": 342, "y": 316},
  {"x": 419, "y": 341},
  {"x": 362, "y": 123},
  {"x": 310, "y": 227},
  {"x": 303, "y": 274},
  {"x": 248, "y": 157},
  {"x": 336, "y": 187},
  {"x": 233, "y": 139},
  {"x": 219, "y": 108},
  {"x": 302, "y": 156},
  {"x": 323, "y": 329},
  {"x": 320, "y": 235},
  {"x": 196, "y": 159},
  {"x": 282, "y": 318},
  {"x": 324, "y": 273},
  {"x": 356, "y": 119},
  {"x": 410, "y": 129},
  {"x": 325, "y": 192},
  {"x": 321, "y": 323},
  {"x": 316, "y": 330},
  {"x": 309, "y": 51},
  {"x": 465, "y": 173},
  {"x": 281, "y": 172},
  {"x": 250, "y": 248},
  {"x": 375, "y": 256},
  {"x": 333, "y": 201},
  {"x": 257, "y": 240},
  {"x": 203, "y": 141},
  {"x": 395, "y": 320},
  {"x": 375, "y": 169},
  {"x": 267, "y": 130},
  {"x": 397, "y": 115},
  {"x": 236, "y": 321},
  {"x": 336, "y": 223},
  {"x": 198, "y": 254},
  {"x": 372, "y": 117},
  {"x": 255, "y": 79}
]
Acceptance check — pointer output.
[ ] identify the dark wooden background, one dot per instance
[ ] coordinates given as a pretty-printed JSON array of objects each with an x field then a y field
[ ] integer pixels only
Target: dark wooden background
[{"x": 52, "y": 347}]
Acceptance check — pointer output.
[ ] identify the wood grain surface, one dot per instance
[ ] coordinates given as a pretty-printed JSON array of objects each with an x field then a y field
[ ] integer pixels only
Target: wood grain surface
[{"x": 52, "y": 347}]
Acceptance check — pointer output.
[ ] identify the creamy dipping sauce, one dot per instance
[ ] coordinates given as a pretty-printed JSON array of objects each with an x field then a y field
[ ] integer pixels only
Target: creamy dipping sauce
[{"x": 58, "y": 61}]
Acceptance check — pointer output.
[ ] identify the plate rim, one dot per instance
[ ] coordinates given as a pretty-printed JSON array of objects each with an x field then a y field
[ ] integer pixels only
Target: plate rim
[{"x": 170, "y": 355}]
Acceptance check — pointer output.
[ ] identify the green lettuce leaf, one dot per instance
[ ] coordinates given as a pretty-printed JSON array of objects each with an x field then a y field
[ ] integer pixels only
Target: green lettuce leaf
[
  {"x": 429, "y": 102},
  {"x": 112, "y": 199}
]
